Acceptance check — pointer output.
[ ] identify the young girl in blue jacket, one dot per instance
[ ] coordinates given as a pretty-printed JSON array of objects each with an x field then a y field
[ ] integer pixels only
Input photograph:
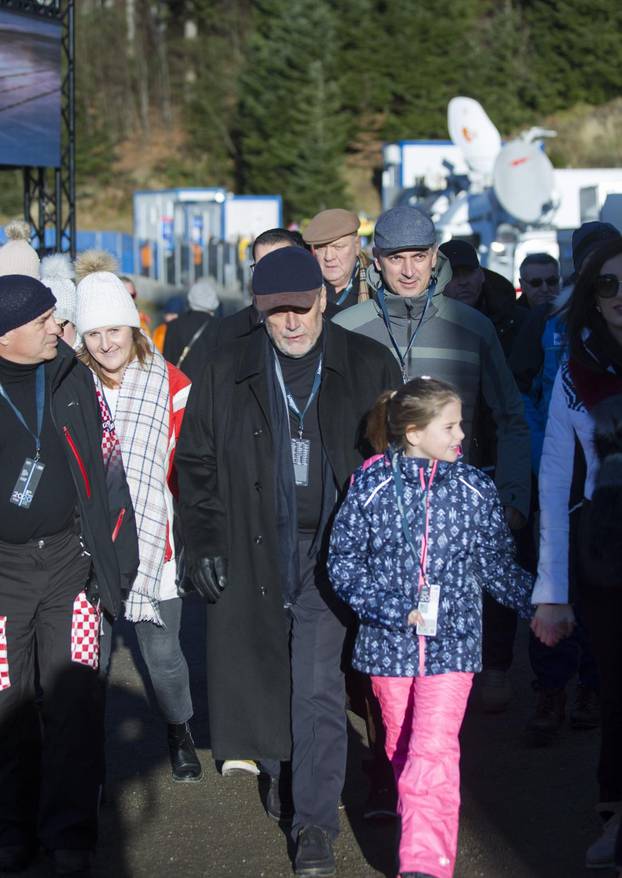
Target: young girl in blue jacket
[{"x": 417, "y": 538}]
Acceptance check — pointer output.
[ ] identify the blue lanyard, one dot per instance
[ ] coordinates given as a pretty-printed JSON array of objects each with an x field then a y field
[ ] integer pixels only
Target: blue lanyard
[
  {"x": 40, "y": 397},
  {"x": 346, "y": 292},
  {"x": 291, "y": 402},
  {"x": 401, "y": 508},
  {"x": 402, "y": 359},
  {"x": 399, "y": 497}
]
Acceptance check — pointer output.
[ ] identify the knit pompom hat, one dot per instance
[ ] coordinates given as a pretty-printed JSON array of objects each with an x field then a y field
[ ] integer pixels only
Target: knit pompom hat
[
  {"x": 17, "y": 256},
  {"x": 57, "y": 274},
  {"x": 102, "y": 298},
  {"x": 203, "y": 295}
]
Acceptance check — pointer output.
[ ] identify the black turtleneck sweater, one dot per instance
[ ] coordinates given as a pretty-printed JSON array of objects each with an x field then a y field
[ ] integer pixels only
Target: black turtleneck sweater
[
  {"x": 52, "y": 508},
  {"x": 298, "y": 375}
]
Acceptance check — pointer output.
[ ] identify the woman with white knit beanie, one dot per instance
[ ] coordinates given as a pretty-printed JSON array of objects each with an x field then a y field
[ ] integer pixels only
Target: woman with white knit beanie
[{"x": 142, "y": 400}]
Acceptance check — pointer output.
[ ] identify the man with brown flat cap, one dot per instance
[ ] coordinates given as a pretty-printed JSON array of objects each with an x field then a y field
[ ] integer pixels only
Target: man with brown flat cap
[{"x": 332, "y": 236}]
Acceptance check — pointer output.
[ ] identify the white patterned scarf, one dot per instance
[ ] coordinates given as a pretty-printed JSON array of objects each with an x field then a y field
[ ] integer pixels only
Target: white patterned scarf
[{"x": 141, "y": 422}]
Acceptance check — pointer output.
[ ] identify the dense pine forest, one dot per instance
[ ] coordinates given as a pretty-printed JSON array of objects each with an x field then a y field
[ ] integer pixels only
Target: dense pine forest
[{"x": 298, "y": 97}]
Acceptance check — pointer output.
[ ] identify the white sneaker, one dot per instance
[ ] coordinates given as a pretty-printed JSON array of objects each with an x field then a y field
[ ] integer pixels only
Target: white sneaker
[
  {"x": 239, "y": 766},
  {"x": 601, "y": 854}
]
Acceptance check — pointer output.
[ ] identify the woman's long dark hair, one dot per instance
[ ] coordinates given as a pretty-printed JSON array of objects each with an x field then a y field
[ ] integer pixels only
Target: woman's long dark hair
[{"x": 582, "y": 312}]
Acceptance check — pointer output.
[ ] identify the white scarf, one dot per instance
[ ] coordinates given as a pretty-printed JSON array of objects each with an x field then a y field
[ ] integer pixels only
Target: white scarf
[{"x": 141, "y": 422}]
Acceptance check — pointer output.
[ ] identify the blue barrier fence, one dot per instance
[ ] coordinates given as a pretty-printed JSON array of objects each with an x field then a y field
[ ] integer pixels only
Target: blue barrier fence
[{"x": 118, "y": 243}]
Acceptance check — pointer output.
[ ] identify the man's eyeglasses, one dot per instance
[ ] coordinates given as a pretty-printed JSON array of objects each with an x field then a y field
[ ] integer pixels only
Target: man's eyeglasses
[
  {"x": 62, "y": 324},
  {"x": 551, "y": 281},
  {"x": 607, "y": 286}
]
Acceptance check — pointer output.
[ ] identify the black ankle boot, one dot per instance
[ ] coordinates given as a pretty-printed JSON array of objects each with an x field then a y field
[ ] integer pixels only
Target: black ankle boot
[{"x": 184, "y": 760}]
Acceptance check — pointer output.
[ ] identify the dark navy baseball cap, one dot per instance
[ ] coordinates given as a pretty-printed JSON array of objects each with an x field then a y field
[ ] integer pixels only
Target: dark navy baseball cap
[
  {"x": 588, "y": 237},
  {"x": 289, "y": 277},
  {"x": 461, "y": 254}
]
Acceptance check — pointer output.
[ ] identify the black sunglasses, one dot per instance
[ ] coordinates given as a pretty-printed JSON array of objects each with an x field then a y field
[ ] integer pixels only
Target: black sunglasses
[
  {"x": 607, "y": 285},
  {"x": 551, "y": 281},
  {"x": 62, "y": 324}
]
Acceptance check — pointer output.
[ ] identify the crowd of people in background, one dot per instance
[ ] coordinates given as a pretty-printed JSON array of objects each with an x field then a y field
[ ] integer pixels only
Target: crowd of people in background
[{"x": 367, "y": 473}]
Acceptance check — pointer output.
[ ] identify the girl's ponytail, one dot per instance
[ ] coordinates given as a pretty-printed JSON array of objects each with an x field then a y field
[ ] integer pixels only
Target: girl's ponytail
[{"x": 377, "y": 422}]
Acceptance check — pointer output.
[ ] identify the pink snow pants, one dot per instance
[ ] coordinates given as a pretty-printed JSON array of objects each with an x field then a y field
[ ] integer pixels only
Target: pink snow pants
[{"x": 422, "y": 717}]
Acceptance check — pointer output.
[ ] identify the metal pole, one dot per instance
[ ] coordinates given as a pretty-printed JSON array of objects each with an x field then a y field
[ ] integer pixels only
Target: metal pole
[{"x": 73, "y": 225}]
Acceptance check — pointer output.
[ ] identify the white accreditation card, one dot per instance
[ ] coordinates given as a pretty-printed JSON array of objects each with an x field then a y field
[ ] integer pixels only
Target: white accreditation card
[
  {"x": 429, "y": 599},
  {"x": 301, "y": 453}
]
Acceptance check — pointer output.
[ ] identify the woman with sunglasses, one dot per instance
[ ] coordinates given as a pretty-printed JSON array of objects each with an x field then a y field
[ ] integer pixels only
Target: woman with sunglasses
[{"x": 590, "y": 379}]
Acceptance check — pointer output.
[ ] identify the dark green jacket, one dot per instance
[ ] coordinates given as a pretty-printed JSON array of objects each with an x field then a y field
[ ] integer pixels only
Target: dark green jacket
[{"x": 456, "y": 343}]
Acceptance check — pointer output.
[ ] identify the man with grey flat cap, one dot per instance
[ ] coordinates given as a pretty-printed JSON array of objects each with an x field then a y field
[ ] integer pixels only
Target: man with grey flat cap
[
  {"x": 332, "y": 236},
  {"x": 272, "y": 432},
  {"x": 432, "y": 334}
]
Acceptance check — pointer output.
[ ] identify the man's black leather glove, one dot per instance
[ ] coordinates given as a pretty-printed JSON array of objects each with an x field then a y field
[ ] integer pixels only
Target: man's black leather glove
[{"x": 209, "y": 577}]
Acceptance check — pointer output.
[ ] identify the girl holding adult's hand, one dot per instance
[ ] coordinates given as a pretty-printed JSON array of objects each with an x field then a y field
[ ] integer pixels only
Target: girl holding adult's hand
[{"x": 552, "y": 622}]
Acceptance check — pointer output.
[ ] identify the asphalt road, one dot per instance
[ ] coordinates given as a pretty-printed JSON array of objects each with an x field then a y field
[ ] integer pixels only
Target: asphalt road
[{"x": 526, "y": 813}]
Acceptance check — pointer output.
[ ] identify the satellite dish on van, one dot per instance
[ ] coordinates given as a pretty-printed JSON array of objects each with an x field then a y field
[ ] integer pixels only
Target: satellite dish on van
[
  {"x": 523, "y": 180},
  {"x": 473, "y": 132}
]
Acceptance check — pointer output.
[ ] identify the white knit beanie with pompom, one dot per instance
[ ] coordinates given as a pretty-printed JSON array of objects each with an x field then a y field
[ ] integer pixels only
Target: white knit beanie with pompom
[
  {"x": 102, "y": 298},
  {"x": 57, "y": 274},
  {"x": 17, "y": 256}
]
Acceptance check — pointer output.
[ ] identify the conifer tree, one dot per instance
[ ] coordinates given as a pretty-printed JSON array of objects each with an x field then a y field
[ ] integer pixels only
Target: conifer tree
[
  {"x": 290, "y": 134},
  {"x": 577, "y": 52}
]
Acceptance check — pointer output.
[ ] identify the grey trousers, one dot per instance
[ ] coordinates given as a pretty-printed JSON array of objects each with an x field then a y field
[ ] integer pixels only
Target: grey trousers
[{"x": 166, "y": 664}]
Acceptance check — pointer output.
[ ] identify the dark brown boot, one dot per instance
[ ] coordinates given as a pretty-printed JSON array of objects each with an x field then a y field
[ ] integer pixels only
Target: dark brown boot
[
  {"x": 544, "y": 725},
  {"x": 585, "y": 712}
]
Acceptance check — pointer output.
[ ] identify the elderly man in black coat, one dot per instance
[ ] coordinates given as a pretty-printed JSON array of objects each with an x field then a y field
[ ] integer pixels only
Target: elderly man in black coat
[{"x": 272, "y": 432}]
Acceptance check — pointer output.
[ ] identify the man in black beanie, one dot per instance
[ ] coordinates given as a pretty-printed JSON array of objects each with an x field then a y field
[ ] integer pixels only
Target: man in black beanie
[
  {"x": 60, "y": 514},
  {"x": 272, "y": 432}
]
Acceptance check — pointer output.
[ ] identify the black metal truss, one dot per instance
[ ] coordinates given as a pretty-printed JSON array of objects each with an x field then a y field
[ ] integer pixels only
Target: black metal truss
[{"x": 50, "y": 193}]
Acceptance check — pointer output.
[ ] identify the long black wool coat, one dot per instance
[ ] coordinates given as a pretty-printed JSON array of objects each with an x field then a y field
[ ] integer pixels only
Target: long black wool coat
[{"x": 226, "y": 468}]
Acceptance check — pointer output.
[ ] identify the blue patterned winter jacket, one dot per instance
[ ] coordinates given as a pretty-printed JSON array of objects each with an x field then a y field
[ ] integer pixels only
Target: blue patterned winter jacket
[{"x": 374, "y": 570}]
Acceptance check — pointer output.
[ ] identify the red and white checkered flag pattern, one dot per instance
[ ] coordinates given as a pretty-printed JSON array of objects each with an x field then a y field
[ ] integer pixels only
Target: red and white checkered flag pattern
[
  {"x": 5, "y": 680},
  {"x": 85, "y": 632}
]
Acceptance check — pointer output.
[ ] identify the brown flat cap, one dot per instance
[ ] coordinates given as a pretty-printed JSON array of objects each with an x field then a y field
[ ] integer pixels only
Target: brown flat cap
[{"x": 328, "y": 225}]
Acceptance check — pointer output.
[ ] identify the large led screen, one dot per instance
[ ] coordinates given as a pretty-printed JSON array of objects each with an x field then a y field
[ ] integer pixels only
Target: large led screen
[{"x": 30, "y": 90}]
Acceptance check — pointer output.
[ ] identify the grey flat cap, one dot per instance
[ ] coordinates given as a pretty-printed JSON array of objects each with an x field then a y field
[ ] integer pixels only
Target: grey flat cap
[{"x": 403, "y": 228}]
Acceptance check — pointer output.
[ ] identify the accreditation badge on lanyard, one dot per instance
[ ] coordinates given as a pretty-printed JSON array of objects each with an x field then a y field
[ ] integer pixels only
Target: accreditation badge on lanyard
[
  {"x": 301, "y": 448},
  {"x": 429, "y": 593},
  {"x": 31, "y": 471}
]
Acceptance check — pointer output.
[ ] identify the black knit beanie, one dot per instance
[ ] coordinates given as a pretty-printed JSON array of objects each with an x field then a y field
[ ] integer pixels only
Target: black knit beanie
[{"x": 22, "y": 299}]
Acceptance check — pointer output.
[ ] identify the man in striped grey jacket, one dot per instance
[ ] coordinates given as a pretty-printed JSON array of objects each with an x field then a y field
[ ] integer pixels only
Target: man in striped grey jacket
[{"x": 431, "y": 334}]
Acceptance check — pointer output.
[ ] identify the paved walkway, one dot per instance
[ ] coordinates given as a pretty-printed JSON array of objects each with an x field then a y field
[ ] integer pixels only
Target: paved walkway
[{"x": 526, "y": 813}]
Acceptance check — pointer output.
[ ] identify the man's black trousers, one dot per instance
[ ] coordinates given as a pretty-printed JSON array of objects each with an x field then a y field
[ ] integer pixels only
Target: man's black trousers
[
  {"x": 319, "y": 738},
  {"x": 51, "y": 758}
]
